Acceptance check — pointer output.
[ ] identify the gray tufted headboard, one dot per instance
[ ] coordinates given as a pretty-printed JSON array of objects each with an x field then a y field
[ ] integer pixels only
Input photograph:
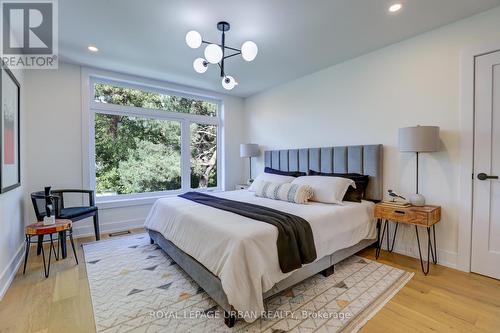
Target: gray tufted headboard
[{"x": 365, "y": 160}]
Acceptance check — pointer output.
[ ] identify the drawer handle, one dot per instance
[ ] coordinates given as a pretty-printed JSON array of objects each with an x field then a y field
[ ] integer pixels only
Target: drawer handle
[{"x": 400, "y": 212}]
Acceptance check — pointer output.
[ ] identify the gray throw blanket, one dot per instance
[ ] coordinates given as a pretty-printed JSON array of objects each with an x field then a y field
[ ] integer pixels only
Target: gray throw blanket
[{"x": 295, "y": 239}]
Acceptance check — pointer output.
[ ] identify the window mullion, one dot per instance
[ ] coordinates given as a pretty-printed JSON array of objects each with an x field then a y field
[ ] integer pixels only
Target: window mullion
[{"x": 186, "y": 155}]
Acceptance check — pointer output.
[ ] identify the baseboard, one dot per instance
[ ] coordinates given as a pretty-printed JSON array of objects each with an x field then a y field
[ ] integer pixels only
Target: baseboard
[
  {"x": 445, "y": 257},
  {"x": 88, "y": 230},
  {"x": 10, "y": 271}
]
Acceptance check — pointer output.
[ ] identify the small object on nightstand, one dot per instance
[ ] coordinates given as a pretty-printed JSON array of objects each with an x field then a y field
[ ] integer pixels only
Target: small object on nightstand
[
  {"x": 395, "y": 196},
  {"x": 241, "y": 187},
  {"x": 423, "y": 216}
]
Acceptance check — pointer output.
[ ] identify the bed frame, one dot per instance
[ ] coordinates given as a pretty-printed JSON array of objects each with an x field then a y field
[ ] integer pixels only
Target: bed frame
[{"x": 366, "y": 159}]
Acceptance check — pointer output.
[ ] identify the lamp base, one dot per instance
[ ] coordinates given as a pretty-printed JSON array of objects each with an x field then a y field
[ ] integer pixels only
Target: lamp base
[{"x": 417, "y": 200}]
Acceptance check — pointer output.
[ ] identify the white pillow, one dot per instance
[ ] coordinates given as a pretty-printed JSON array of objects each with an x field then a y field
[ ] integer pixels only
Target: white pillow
[
  {"x": 269, "y": 177},
  {"x": 284, "y": 191},
  {"x": 326, "y": 189}
]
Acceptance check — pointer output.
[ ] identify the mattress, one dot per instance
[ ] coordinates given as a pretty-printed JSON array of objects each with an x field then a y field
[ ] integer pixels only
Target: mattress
[{"x": 242, "y": 252}]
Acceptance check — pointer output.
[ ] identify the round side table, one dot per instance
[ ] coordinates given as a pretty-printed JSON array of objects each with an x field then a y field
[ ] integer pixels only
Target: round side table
[{"x": 37, "y": 229}]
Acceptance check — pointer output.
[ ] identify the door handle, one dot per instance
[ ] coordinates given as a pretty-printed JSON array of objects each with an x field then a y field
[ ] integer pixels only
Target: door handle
[{"x": 483, "y": 176}]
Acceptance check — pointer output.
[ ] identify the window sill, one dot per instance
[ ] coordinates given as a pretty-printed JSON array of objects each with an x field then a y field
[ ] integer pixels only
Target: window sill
[{"x": 121, "y": 202}]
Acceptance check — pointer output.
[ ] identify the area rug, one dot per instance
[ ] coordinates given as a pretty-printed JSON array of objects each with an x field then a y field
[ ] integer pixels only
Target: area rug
[{"x": 136, "y": 287}]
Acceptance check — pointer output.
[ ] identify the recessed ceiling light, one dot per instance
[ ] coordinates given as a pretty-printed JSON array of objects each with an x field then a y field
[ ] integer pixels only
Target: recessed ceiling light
[
  {"x": 395, "y": 7},
  {"x": 92, "y": 48}
]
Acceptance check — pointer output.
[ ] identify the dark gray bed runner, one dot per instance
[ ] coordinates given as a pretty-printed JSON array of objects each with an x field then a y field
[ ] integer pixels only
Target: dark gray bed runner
[{"x": 295, "y": 239}]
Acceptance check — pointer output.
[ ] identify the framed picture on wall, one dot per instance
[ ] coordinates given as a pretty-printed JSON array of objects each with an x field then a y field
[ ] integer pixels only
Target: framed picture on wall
[{"x": 10, "y": 168}]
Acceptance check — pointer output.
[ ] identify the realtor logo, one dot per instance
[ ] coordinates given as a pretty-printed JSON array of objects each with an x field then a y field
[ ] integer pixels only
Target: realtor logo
[{"x": 29, "y": 34}]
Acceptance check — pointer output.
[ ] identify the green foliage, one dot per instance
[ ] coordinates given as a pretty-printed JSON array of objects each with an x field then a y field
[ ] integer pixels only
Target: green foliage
[{"x": 135, "y": 155}]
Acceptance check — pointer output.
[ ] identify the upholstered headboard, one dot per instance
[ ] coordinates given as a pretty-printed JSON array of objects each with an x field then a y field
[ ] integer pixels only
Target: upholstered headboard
[{"x": 366, "y": 160}]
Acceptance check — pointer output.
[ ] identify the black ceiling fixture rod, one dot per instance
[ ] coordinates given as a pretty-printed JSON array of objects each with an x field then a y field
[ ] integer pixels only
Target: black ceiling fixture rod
[{"x": 223, "y": 27}]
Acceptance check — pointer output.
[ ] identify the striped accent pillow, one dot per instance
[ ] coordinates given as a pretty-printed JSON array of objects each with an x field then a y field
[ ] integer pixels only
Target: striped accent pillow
[{"x": 284, "y": 192}]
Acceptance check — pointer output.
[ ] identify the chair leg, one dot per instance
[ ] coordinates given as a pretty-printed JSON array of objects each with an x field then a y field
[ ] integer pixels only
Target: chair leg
[
  {"x": 62, "y": 237},
  {"x": 96, "y": 226},
  {"x": 40, "y": 244},
  {"x": 73, "y": 244},
  {"x": 27, "y": 252}
]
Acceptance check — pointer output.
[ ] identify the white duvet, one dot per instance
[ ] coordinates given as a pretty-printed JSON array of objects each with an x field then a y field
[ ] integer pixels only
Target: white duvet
[{"x": 241, "y": 251}]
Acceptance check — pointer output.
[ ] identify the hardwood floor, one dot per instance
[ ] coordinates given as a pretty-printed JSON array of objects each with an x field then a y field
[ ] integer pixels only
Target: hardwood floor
[{"x": 445, "y": 301}]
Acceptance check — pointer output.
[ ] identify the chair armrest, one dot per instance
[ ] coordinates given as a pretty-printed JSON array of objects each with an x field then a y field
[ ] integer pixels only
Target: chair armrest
[{"x": 89, "y": 192}]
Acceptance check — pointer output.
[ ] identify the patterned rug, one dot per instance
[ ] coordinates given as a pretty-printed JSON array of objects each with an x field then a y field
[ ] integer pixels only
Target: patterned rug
[{"x": 136, "y": 287}]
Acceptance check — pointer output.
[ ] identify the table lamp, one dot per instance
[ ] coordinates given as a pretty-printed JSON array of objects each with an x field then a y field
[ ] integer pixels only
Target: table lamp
[
  {"x": 249, "y": 150},
  {"x": 418, "y": 139}
]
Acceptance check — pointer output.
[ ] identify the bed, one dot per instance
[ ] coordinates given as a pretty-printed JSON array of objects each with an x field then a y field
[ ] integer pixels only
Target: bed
[{"x": 234, "y": 258}]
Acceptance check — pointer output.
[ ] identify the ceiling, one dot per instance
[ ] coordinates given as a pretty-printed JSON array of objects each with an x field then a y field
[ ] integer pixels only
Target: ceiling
[{"x": 295, "y": 37}]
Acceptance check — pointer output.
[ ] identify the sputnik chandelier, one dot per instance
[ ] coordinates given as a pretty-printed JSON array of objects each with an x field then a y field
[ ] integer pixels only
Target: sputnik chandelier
[{"x": 217, "y": 53}]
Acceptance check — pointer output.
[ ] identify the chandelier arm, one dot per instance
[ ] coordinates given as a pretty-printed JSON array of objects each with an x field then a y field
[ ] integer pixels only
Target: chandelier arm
[
  {"x": 232, "y": 48},
  {"x": 226, "y": 47},
  {"x": 221, "y": 70},
  {"x": 232, "y": 55}
]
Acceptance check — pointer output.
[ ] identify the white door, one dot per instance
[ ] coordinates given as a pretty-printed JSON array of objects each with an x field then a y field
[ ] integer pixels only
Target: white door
[{"x": 486, "y": 205}]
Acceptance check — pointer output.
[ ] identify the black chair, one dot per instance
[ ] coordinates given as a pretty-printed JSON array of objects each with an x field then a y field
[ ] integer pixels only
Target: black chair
[{"x": 62, "y": 212}]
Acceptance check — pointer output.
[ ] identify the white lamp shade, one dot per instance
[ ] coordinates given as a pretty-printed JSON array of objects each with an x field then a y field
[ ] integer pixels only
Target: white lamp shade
[
  {"x": 249, "y": 50},
  {"x": 228, "y": 82},
  {"x": 249, "y": 150},
  {"x": 419, "y": 139},
  {"x": 193, "y": 39},
  {"x": 213, "y": 53},
  {"x": 200, "y": 65}
]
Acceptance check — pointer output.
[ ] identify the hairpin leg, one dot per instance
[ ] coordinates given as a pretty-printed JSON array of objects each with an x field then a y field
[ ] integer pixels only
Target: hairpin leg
[
  {"x": 44, "y": 265},
  {"x": 379, "y": 245},
  {"x": 429, "y": 250},
  {"x": 51, "y": 249},
  {"x": 393, "y": 238},
  {"x": 435, "y": 257},
  {"x": 56, "y": 255},
  {"x": 27, "y": 252},
  {"x": 388, "y": 225}
]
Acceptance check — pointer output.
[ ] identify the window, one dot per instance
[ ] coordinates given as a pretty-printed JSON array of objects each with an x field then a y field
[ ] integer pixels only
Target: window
[{"x": 147, "y": 141}]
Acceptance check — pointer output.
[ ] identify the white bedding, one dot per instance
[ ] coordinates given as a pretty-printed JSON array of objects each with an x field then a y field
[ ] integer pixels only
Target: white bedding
[{"x": 241, "y": 251}]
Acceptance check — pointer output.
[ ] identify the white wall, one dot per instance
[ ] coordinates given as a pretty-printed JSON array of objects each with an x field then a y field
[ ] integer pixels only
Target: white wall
[
  {"x": 55, "y": 112},
  {"x": 12, "y": 219},
  {"x": 366, "y": 100}
]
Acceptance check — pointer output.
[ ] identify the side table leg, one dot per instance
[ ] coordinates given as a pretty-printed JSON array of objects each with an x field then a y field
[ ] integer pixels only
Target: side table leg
[
  {"x": 393, "y": 238},
  {"x": 51, "y": 249},
  {"x": 44, "y": 265},
  {"x": 425, "y": 271},
  {"x": 27, "y": 252},
  {"x": 435, "y": 256},
  {"x": 379, "y": 246}
]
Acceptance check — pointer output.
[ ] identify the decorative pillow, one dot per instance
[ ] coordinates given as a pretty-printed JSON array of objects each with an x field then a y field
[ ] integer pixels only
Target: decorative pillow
[
  {"x": 284, "y": 192},
  {"x": 352, "y": 194},
  {"x": 326, "y": 189},
  {"x": 269, "y": 177},
  {"x": 284, "y": 173}
]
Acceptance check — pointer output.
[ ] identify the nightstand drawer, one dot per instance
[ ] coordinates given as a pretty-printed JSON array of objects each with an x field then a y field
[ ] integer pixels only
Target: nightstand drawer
[{"x": 422, "y": 216}]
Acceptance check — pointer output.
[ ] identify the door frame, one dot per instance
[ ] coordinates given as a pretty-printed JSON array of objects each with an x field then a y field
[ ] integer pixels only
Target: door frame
[{"x": 466, "y": 119}]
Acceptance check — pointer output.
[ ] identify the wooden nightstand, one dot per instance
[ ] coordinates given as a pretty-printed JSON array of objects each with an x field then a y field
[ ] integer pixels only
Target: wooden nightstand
[
  {"x": 425, "y": 216},
  {"x": 241, "y": 187}
]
